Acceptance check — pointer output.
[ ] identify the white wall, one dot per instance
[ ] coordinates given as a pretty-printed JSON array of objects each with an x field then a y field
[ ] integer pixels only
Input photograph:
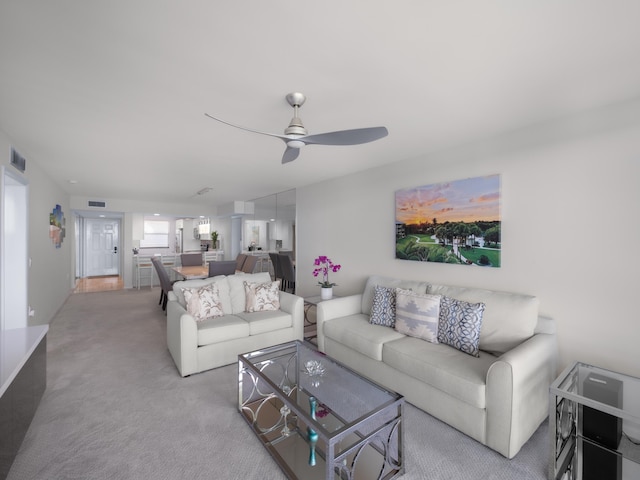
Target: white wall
[{"x": 570, "y": 213}]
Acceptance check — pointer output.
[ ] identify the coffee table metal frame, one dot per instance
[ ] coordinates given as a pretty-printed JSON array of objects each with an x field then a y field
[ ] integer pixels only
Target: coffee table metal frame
[{"x": 358, "y": 424}]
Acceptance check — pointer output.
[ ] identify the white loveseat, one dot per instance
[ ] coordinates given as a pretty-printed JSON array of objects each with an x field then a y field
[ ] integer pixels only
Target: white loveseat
[
  {"x": 197, "y": 346},
  {"x": 498, "y": 398}
]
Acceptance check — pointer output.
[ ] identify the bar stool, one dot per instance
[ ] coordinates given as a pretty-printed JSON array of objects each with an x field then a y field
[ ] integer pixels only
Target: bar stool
[{"x": 144, "y": 269}]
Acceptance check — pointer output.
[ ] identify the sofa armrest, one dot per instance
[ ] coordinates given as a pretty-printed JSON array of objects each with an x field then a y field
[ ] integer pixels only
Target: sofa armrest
[
  {"x": 294, "y": 305},
  {"x": 518, "y": 393},
  {"x": 182, "y": 337},
  {"x": 336, "y": 308}
]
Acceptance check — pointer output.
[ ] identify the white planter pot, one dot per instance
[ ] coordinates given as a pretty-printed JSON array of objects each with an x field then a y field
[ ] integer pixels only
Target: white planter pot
[{"x": 326, "y": 293}]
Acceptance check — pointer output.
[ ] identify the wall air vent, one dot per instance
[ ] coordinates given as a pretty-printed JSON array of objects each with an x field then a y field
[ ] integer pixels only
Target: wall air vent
[
  {"x": 18, "y": 161},
  {"x": 93, "y": 203}
]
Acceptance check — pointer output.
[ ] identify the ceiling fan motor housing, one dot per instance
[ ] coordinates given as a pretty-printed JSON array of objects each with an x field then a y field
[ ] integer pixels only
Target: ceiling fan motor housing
[{"x": 295, "y": 127}]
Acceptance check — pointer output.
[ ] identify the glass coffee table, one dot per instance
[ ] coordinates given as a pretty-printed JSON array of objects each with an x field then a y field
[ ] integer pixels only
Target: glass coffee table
[
  {"x": 594, "y": 425},
  {"x": 317, "y": 418}
]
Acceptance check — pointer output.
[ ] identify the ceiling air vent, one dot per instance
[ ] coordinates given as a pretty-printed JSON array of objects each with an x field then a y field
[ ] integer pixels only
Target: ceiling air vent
[{"x": 93, "y": 203}]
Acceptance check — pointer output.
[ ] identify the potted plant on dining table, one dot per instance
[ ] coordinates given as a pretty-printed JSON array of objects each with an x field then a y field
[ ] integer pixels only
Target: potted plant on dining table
[{"x": 323, "y": 266}]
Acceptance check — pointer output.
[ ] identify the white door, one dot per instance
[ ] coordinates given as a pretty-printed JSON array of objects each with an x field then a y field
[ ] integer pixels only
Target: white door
[{"x": 101, "y": 247}]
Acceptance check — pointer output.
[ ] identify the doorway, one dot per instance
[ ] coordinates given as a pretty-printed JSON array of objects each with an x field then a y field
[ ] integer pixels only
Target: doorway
[
  {"x": 14, "y": 254},
  {"x": 98, "y": 256},
  {"x": 102, "y": 237}
]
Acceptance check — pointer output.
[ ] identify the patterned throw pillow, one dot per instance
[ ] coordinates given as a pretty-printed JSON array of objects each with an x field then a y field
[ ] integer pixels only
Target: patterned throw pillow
[
  {"x": 203, "y": 302},
  {"x": 460, "y": 324},
  {"x": 417, "y": 314},
  {"x": 262, "y": 296},
  {"x": 383, "y": 309}
]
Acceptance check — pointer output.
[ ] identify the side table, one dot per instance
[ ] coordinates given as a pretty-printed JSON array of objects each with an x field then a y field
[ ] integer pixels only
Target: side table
[
  {"x": 594, "y": 425},
  {"x": 310, "y": 331}
]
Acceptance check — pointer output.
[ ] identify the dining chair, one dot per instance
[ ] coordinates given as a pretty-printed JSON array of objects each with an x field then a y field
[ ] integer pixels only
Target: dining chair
[
  {"x": 288, "y": 273},
  {"x": 277, "y": 270},
  {"x": 227, "y": 267},
  {"x": 287, "y": 252},
  {"x": 240, "y": 259},
  {"x": 250, "y": 263},
  {"x": 169, "y": 261},
  {"x": 191, "y": 259},
  {"x": 165, "y": 282}
]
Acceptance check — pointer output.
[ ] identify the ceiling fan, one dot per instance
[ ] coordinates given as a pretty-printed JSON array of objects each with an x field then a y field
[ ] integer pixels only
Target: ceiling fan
[{"x": 296, "y": 136}]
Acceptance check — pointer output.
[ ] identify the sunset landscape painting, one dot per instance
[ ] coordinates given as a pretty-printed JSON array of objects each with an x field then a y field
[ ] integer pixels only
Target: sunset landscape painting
[{"x": 451, "y": 222}]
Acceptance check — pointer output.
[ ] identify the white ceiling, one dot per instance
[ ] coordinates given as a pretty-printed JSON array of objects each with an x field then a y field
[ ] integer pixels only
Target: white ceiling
[{"x": 112, "y": 94}]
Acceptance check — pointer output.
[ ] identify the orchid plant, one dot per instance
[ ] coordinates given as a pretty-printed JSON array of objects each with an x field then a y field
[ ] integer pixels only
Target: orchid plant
[{"x": 323, "y": 265}]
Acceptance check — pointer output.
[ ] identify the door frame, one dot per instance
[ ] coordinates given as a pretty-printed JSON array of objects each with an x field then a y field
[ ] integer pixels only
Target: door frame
[
  {"x": 80, "y": 217},
  {"x": 14, "y": 251}
]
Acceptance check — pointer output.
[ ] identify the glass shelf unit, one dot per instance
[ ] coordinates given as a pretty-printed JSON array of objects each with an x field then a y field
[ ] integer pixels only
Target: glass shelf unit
[{"x": 594, "y": 425}]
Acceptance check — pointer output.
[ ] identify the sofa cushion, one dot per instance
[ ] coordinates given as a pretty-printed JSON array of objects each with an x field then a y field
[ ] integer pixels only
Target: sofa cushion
[
  {"x": 373, "y": 280},
  {"x": 267, "y": 321},
  {"x": 508, "y": 320},
  {"x": 221, "y": 329},
  {"x": 417, "y": 314},
  {"x": 220, "y": 281},
  {"x": 449, "y": 370},
  {"x": 262, "y": 297},
  {"x": 203, "y": 302},
  {"x": 460, "y": 324},
  {"x": 236, "y": 288},
  {"x": 355, "y": 331},
  {"x": 383, "y": 309}
]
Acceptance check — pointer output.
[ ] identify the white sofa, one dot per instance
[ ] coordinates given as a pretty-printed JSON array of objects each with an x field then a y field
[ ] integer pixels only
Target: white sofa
[
  {"x": 197, "y": 346},
  {"x": 499, "y": 398}
]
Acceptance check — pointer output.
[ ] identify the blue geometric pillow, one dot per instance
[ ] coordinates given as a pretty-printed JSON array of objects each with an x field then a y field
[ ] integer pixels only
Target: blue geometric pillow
[
  {"x": 383, "y": 310},
  {"x": 417, "y": 314},
  {"x": 460, "y": 323}
]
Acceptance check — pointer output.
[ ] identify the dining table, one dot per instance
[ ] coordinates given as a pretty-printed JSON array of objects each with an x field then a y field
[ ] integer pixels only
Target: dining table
[{"x": 192, "y": 272}]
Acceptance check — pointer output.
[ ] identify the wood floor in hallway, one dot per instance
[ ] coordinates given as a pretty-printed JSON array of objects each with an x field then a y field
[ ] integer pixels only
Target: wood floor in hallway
[{"x": 99, "y": 284}]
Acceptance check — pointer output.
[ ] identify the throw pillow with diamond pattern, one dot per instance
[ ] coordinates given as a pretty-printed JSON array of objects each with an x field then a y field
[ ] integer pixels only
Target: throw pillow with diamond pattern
[
  {"x": 383, "y": 309},
  {"x": 460, "y": 323}
]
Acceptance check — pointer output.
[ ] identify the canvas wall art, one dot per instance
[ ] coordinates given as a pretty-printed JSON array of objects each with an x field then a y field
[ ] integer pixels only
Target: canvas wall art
[
  {"x": 57, "y": 226},
  {"x": 454, "y": 222}
]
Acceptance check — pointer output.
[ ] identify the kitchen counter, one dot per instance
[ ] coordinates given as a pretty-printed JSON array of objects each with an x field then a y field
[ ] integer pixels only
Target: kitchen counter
[{"x": 23, "y": 379}]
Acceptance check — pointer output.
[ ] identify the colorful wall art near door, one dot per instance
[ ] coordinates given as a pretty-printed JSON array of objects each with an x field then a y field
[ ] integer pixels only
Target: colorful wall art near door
[
  {"x": 453, "y": 222},
  {"x": 57, "y": 226}
]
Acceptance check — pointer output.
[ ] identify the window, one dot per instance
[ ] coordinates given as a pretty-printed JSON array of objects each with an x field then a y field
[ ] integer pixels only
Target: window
[{"x": 156, "y": 234}]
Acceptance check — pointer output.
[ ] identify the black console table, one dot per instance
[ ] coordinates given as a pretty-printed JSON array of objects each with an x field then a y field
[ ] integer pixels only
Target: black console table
[{"x": 23, "y": 379}]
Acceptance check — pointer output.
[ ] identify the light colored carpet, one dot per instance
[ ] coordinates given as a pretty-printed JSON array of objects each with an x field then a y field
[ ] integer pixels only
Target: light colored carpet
[{"x": 116, "y": 408}]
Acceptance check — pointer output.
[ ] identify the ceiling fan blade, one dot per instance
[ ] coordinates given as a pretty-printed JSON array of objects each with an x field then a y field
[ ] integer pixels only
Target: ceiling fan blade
[
  {"x": 282, "y": 137},
  {"x": 347, "y": 137},
  {"x": 290, "y": 154}
]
